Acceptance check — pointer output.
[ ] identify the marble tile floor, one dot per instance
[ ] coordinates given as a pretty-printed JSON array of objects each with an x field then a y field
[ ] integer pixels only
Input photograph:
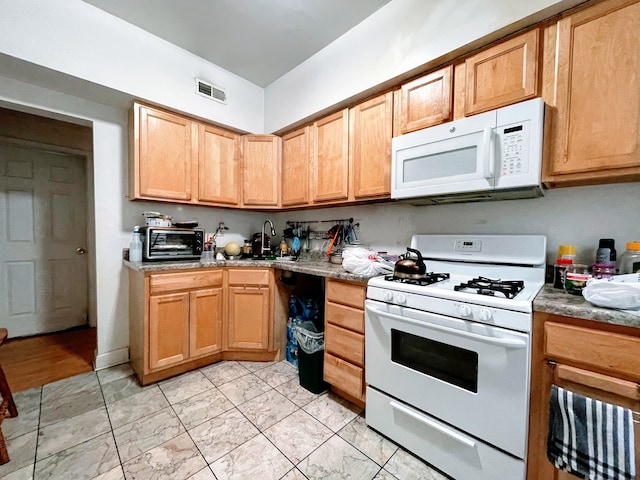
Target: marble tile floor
[{"x": 230, "y": 420}]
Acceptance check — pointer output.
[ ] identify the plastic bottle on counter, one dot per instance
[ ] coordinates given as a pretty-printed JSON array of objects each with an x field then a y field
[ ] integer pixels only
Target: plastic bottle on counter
[
  {"x": 630, "y": 259},
  {"x": 135, "y": 246},
  {"x": 567, "y": 251},
  {"x": 606, "y": 251}
]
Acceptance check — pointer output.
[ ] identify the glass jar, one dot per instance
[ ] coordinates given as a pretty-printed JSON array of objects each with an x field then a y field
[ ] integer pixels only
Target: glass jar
[
  {"x": 247, "y": 249},
  {"x": 603, "y": 270},
  {"x": 576, "y": 277},
  {"x": 559, "y": 270}
]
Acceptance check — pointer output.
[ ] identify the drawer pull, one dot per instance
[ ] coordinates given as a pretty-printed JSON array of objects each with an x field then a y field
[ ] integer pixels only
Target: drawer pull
[
  {"x": 436, "y": 426},
  {"x": 598, "y": 381}
]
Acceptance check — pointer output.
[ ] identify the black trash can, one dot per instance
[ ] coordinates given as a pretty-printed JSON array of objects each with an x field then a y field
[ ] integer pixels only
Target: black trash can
[{"x": 310, "y": 357}]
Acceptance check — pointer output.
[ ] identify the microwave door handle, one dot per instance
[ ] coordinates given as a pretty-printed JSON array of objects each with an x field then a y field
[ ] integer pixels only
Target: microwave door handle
[
  {"x": 500, "y": 342},
  {"x": 487, "y": 144}
]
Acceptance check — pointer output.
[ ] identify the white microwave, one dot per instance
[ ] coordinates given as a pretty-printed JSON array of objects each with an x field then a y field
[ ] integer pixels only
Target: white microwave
[{"x": 489, "y": 156}]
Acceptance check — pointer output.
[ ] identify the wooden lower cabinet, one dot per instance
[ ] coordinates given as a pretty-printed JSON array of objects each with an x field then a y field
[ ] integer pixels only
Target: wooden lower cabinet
[
  {"x": 179, "y": 321},
  {"x": 168, "y": 330},
  {"x": 344, "y": 338},
  {"x": 594, "y": 359},
  {"x": 248, "y": 320}
]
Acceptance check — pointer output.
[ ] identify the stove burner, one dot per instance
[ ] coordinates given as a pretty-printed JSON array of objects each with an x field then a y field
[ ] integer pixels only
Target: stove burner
[
  {"x": 487, "y": 286},
  {"x": 426, "y": 279}
]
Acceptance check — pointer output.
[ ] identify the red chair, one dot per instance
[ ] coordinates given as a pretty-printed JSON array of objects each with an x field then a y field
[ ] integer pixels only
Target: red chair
[{"x": 7, "y": 406}]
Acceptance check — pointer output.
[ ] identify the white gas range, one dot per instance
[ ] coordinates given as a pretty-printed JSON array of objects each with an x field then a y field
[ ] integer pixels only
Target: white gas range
[{"x": 448, "y": 362}]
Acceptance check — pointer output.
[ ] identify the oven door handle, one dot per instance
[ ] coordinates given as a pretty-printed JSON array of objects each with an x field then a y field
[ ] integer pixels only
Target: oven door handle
[
  {"x": 501, "y": 342},
  {"x": 431, "y": 424}
]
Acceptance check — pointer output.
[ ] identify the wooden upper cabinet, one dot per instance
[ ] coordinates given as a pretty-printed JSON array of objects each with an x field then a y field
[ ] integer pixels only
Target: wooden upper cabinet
[
  {"x": 425, "y": 102},
  {"x": 592, "y": 60},
  {"x": 163, "y": 142},
  {"x": 503, "y": 74},
  {"x": 218, "y": 166},
  {"x": 371, "y": 125},
  {"x": 261, "y": 170},
  {"x": 331, "y": 158},
  {"x": 296, "y": 165}
]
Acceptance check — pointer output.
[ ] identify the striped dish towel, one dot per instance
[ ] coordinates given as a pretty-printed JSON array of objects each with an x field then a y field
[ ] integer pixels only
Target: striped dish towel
[{"x": 589, "y": 438}]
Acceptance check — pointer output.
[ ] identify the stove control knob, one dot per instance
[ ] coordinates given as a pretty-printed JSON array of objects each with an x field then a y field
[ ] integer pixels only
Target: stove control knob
[
  {"x": 464, "y": 310},
  {"x": 485, "y": 315},
  {"x": 401, "y": 299},
  {"x": 387, "y": 296}
]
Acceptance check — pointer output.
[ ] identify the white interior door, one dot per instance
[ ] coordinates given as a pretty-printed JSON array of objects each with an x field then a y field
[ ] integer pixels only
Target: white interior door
[{"x": 43, "y": 236}]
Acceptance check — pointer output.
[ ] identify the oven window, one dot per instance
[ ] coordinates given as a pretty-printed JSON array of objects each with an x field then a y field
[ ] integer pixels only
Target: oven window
[{"x": 453, "y": 365}]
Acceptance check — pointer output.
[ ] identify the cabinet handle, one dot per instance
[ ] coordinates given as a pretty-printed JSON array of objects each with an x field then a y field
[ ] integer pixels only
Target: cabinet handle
[{"x": 622, "y": 388}]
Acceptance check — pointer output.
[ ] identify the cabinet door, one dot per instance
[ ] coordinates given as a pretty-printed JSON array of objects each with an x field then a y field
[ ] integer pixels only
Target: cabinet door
[
  {"x": 165, "y": 144},
  {"x": 218, "y": 166},
  {"x": 600, "y": 387},
  {"x": 426, "y": 101},
  {"x": 248, "y": 318},
  {"x": 331, "y": 158},
  {"x": 168, "y": 330},
  {"x": 371, "y": 125},
  {"x": 590, "y": 78},
  {"x": 296, "y": 165},
  {"x": 260, "y": 170},
  {"x": 205, "y": 332},
  {"x": 503, "y": 74}
]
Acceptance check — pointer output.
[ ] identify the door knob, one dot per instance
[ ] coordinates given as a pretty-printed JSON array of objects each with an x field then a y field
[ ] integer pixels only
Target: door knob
[{"x": 80, "y": 251}]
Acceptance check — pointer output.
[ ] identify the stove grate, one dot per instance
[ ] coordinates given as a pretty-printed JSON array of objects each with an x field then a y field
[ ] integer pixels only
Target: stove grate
[
  {"x": 488, "y": 286},
  {"x": 427, "y": 279}
]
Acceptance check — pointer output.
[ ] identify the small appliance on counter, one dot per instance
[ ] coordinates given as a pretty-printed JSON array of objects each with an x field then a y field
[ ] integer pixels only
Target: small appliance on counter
[{"x": 170, "y": 243}]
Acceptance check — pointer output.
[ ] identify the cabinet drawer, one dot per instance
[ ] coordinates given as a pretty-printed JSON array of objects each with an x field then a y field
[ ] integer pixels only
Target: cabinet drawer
[
  {"x": 346, "y": 293},
  {"x": 168, "y": 282},
  {"x": 344, "y": 344},
  {"x": 346, "y": 317},
  {"x": 606, "y": 351},
  {"x": 344, "y": 375},
  {"x": 249, "y": 277}
]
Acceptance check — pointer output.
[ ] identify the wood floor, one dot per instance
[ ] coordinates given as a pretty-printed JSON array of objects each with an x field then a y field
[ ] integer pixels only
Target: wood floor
[{"x": 35, "y": 361}]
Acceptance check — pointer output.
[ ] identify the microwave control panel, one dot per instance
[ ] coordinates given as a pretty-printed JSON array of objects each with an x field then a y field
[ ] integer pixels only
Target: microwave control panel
[{"x": 514, "y": 149}]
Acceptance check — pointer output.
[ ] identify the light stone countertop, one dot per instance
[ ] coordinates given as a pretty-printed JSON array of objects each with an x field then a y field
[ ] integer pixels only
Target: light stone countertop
[
  {"x": 310, "y": 267},
  {"x": 555, "y": 301},
  {"x": 549, "y": 300}
]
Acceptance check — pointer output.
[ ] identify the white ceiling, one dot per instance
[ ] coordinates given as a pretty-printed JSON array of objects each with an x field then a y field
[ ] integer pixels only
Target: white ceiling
[{"x": 258, "y": 40}]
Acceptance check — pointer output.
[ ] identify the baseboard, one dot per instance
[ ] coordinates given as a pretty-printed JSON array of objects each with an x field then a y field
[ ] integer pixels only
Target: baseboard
[{"x": 112, "y": 358}]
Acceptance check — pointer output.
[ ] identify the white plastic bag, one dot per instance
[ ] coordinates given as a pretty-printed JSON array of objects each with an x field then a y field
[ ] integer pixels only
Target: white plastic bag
[
  {"x": 622, "y": 292},
  {"x": 362, "y": 261}
]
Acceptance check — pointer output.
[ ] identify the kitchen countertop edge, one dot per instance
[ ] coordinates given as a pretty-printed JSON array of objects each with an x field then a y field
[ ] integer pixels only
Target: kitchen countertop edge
[
  {"x": 317, "y": 268},
  {"x": 557, "y": 302}
]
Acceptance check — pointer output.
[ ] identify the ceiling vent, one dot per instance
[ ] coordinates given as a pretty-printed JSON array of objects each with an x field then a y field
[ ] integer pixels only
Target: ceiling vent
[{"x": 210, "y": 91}]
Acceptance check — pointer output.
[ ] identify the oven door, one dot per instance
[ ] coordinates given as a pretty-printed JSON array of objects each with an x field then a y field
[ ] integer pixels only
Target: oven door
[{"x": 470, "y": 375}]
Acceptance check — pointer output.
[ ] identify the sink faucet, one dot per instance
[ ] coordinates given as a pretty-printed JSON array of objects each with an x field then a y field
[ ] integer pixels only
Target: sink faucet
[{"x": 264, "y": 248}]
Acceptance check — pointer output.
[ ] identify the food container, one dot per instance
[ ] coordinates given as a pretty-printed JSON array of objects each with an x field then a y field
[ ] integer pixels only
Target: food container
[
  {"x": 336, "y": 258},
  {"x": 559, "y": 270},
  {"x": 576, "y": 278},
  {"x": 603, "y": 270}
]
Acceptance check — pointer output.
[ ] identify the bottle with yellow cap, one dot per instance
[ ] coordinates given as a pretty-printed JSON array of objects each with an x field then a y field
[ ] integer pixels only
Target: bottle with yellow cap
[
  {"x": 630, "y": 259},
  {"x": 567, "y": 251}
]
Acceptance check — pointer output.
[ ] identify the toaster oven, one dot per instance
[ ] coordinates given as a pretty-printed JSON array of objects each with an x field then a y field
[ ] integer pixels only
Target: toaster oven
[{"x": 168, "y": 243}]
